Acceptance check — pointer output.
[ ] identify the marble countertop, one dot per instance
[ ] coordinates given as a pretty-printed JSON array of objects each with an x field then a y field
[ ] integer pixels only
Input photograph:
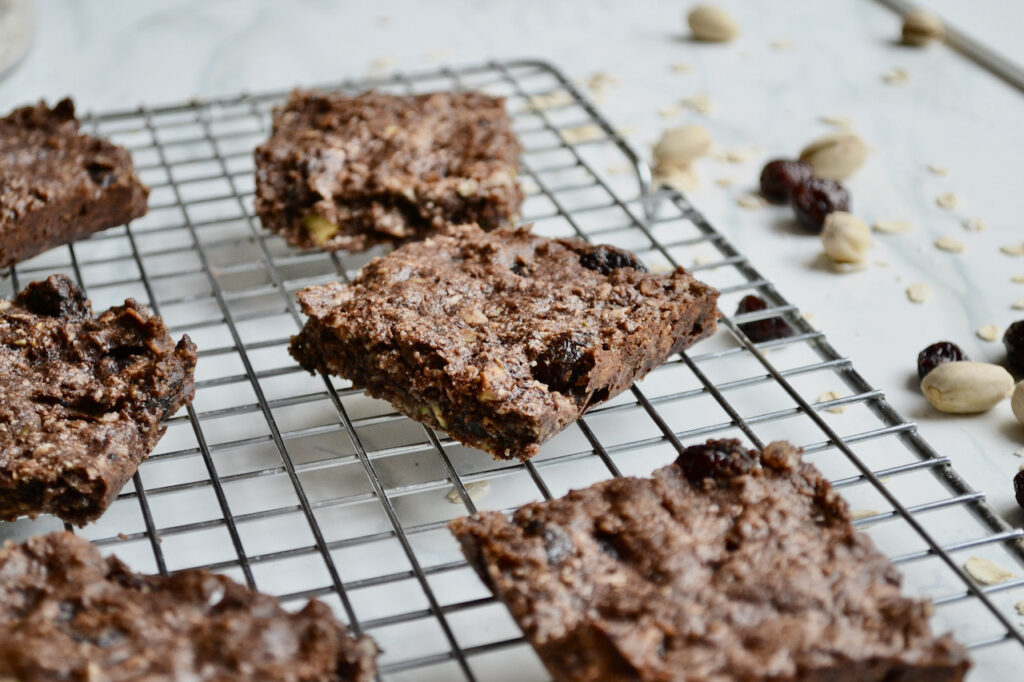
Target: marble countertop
[{"x": 794, "y": 63}]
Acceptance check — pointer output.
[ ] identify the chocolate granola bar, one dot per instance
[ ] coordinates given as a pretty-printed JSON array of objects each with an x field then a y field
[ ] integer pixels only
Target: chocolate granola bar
[
  {"x": 343, "y": 172},
  {"x": 58, "y": 185},
  {"x": 82, "y": 398},
  {"x": 501, "y": 338},
  {"x": 729, "y": 564},
  {"x": 68, "y": 613}
]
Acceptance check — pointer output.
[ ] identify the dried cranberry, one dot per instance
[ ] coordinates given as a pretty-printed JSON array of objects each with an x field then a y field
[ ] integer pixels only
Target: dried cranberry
[
  {"x": 761, "y": 330},
  {"x": 716, "y": 459},
  {"x": 780, "y": 177},
  {"x": 56, "y": 296},
  {"x": 815, "y": 198},
  {"x": 563, "y": 362},
  {"x": 605, "y": 259},
  {"x": 102, "y": 173},
  {"x": 1018, "y": 488},
  {"x": 938, "y": 354},
  {"x": 1013, "y": 339}
]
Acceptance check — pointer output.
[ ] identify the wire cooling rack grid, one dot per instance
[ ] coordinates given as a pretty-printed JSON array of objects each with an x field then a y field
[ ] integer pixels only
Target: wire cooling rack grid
[{"x": 303, "y": 487}]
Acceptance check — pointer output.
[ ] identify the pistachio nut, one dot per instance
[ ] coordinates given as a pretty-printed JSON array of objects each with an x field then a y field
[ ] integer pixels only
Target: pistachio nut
[
  {"x": 920, "y": 27},
  {"x": 1017, "y": 402},
  {"x": 966, "y": 387},
  {"x": 679, "y": 147},
  {"x": 846, "y": 237},
  {"x": 712, "y": 24},
  {"x": 836, "y": 155}
]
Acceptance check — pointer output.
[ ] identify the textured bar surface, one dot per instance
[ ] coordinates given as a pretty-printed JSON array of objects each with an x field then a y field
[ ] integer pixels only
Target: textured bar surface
[
  {"x": 726, "y": 565},
  {"x": 501, "y": 338}
]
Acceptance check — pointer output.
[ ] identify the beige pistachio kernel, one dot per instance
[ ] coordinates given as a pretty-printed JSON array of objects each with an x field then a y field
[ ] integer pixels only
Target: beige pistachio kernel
[
  {"x": 919, "y": 292},
  {"x": 846, "y": 238},
  {"x": 681, "y": 146},
  {"x": 920, "y": 27},
  {"x": 949, "y": 244},
  {"x": 988, "y": 332},
  {"x": 837, "y": 155},
  {"x": 987, "y": 572},
  {"x": 966, "y": 387},
  {"x": 893, "y": 226},
  {"x": 948, "y": 200},
  {"x": 320, "y": 229},
  {"x": 712, "y": 24},
  {"x": 1017, "y": 402}
]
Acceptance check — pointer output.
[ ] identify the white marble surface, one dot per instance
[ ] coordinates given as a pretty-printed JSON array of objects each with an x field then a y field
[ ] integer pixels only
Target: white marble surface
[{"x": 116, "y": 54}]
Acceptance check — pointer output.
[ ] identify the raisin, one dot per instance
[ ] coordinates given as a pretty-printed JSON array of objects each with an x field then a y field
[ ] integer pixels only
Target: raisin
[
  {"x": 716, "y": 459},
  {"x": 938, "y": 354},
  {"x": 563, "y": 363},
  {"x": 56, "y": 296},
  {"x": 520, "y": 269},
  {"x": 815, "y": 198},
  {"x": 1018, "y": 488},
  {"x": 780, "y": 177},
  {"x": 762, "y": 330},
  {"x": 605, "y": 259},
  {"x": 607, "y": 543},
  {"x": 103, "y": 174},
  {"x": 1013, "y": 340}
]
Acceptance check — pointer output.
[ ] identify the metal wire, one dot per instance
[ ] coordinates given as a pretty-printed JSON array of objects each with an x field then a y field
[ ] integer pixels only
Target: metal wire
[{"x": 402, "y": 482}]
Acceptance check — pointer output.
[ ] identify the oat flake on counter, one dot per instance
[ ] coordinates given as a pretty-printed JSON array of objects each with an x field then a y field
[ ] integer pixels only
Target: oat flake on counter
[
  {"x": 919, "y": 292},
  {"x": 949, "y": 244},
  {"x": 988, "y": 332},
  {"x": 986, "y": 571},
  {"x": 893, "y": 226},
  {"x": 947, "y": 200}
]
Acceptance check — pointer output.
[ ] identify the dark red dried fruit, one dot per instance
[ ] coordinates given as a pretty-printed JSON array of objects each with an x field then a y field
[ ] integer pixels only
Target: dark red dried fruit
[
  {"x": 716, "y": 459},
  {"x": 1018, "y": 488},
  {"x": 56, "y": 296},
  {"x": 605, "y": 259},
  {"x": 1013, "y": 340},
  {"x": 815, "y": 198},
  {"x": 762, "y": 330},
  {"x": 938, "y": 354},
  {"x": 780, "y": 177},
  {"x": 563, "y": 363}
]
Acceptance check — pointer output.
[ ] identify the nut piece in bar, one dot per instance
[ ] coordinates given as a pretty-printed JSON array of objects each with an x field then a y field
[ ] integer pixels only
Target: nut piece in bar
[
  {"x": 729, "y": 564},
  {"x": 82, "y": 398},
  {"x": 342, "y": 172},
  {"x": 68, "y": 613},
  {"x": 58, "y": 185},
  {"x": 501, "y": 338}
]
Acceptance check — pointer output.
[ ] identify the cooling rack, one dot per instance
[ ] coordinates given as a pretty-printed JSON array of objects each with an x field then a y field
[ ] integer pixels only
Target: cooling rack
[{"x": 302, "y": 487}]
